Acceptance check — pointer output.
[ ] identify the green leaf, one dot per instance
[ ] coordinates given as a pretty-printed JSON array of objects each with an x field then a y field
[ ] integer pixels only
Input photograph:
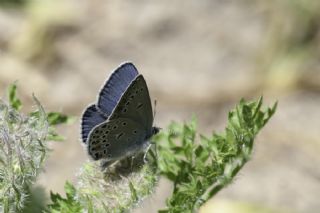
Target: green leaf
[
  {"x": 14, "y": 101},
  {"x": 56, "y": 118},
  {"x": 133, "y": 191},
  {"x": 70, "y": 190},
  {"x": 65, "y": 205},
  {"x": 54, "y": 136}
]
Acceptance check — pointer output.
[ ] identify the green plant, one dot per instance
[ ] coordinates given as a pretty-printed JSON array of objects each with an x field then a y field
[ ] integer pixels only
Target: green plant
[
  {"x": 201, "y": 166},
  {"x": 198, "y": 166},
  {"x": 23, "y": 149}
]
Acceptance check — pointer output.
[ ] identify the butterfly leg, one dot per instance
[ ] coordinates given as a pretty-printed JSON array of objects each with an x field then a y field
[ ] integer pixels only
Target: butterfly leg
[
  {"x": 145, "y": 160},
  {"x": 104, "y": 164},
  {"x": 132, "y": 162},
  {"x": 155, "y": 149}
]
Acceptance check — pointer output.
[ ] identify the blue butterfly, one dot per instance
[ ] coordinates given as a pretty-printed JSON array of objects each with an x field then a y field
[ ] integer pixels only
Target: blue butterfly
[{"x": 120, "y": 123}]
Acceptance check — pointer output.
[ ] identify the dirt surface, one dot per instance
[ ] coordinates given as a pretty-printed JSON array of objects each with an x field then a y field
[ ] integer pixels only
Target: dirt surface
[{"x": 199, "y": 58}]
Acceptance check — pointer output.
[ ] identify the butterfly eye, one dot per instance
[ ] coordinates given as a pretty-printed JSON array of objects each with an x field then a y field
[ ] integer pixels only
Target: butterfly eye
[
  {"x": 115, "y": 126},
  {"x": 107, "y": 132},
  {"x": 128, "y": 102},
  {"x": 107, "y": 144},
  {"x": 105, "y": 151},
  {"x": 124, "y": 110},
  {"x": 135, "y": 131},
  {"x": 104, "y": 126},
  {"x": 137, "y": 91},
  {"x": 124, "y": 124}
]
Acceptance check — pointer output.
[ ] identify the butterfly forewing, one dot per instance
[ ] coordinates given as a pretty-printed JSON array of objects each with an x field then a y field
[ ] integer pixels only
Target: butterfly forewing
[
  {"x": 135, "y": 104},
  {"x": 115, "y": 139},
  {"x": 116, "y": 85}
]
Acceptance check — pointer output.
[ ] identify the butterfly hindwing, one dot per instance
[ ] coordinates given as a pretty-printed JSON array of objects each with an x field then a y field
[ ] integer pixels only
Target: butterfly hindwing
[
  {"x": 115, "y": 139},
  {"x": 90, "y": 118},
  {"x": 116, "y": 85},
  {"x": 135, "y": 104}
]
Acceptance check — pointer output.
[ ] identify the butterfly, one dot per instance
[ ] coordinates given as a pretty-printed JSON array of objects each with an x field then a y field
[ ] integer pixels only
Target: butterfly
[{"x": 119, "y": 125}]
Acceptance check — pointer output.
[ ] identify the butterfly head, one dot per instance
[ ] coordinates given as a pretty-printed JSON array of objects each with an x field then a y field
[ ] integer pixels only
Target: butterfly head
[{"x": 155, "y": 130}]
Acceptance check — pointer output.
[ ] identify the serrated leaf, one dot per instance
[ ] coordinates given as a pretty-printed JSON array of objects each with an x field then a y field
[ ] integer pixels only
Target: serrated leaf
[
  {"x": 70, "y": 190},
  {"x": 65, "y": 205}
]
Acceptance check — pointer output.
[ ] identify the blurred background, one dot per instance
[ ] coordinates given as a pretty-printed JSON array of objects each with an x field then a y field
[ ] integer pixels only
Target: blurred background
[{"x": 199, "y": 58}]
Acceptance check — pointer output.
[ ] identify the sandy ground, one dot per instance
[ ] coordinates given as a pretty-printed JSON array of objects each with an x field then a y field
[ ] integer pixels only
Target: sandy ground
[{"x": 199, "y": 58}]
